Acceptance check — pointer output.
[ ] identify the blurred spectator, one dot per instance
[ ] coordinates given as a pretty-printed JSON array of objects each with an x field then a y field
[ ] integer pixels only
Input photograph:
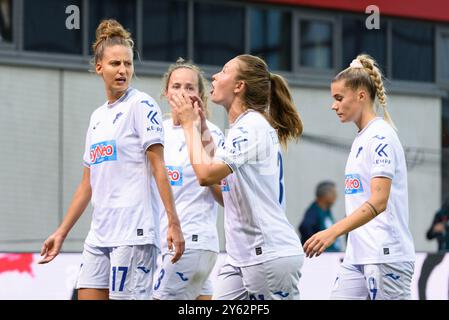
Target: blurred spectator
[
  {"x": 440, "y": 227},
  {"x": 5, "y": 20},
  {"x": 318, "y": 216}
]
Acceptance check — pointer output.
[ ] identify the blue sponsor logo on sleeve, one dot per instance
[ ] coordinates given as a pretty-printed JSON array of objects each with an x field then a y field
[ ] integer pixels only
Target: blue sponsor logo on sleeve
[
  {"x": 353, "y": 184},
  {"x": 380, "y": 150},
  {"x": 237, "y": 141},
  {"x": 152, "y": 117}
]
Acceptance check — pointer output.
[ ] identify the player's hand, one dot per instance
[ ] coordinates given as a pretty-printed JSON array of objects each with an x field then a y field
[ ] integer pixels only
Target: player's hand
[
  {"x": 185, "y": 110},
  {"x": 198, "y": 108},
  {"x": 51, "y": 247},
  {"x": 319, "y": 242},
  {"x": 175, "y": 239}
]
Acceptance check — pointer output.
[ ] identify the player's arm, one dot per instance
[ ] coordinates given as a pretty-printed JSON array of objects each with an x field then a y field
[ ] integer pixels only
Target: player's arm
[
  {"x": 216, "y": 192},
  {"x": 209, "y": 146},
  {"x": 376, "y": 204},
  {"x": 155, "y": 155},
  {"x": 80, "y": 200},
  {"x": 207, "y": 170}
]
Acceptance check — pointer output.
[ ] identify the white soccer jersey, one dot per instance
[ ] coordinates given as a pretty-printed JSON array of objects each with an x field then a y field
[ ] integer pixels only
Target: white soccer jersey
[
  {"x": 256, "y": 227},
  {"x": 123, "y": 197},
  {"x": 195, "y": 205},
  {"x": 377, "y": 152}
]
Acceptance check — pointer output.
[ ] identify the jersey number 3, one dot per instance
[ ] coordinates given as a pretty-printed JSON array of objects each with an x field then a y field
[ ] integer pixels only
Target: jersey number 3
[{"x": 281, "y": 179}]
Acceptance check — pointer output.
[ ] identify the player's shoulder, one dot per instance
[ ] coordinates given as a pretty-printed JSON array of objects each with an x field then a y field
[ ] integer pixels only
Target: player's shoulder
[
  {"x": 137, "y": 97},
  {"x": 213, "y": 127},
  {"x": 382, "y": 135},
  {"x": 97, "y": 113},
  {"x": 381, "y": 130},
  {"x": 252, "y": 121}
]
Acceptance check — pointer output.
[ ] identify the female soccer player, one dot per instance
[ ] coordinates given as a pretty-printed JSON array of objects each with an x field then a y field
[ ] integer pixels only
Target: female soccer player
[
  {"x": 188, "y": 278},
  {"x": 124, "y": 163},
  {"x": 380, "y": 256},
  {"x": 264, "y": 254}
]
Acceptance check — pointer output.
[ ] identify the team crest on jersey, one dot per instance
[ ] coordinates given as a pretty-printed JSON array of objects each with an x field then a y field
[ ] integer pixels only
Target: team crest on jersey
[
  {"x": 103, "y": 151},
  {"x": 175, "y": 175},
  {"x": 353, "y": 184},
  {"x": 224, "y": 185}
]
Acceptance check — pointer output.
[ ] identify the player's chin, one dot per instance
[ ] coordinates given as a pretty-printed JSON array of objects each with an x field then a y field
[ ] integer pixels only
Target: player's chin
[
  {"x": 343, "y": 119},
  {"x": 214, "y": 99},
  {"x": 121, "y": 86}
]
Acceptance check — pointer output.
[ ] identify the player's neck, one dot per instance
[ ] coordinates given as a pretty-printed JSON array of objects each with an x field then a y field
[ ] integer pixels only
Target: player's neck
[
  {"x": 113, "y": 96},
  {"x": 235, "y": 111},
  {"x": 364, "y": 119}
]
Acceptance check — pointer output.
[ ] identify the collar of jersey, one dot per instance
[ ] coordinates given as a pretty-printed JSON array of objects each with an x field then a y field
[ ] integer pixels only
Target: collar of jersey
[
  {"x": 123, "y": 97},
  {"x": 367, "y": 125},
  {"x": 241, "y": 116}
]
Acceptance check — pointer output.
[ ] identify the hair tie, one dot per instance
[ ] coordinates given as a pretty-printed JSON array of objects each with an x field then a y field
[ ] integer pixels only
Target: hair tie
[{"x": 356, "y": 64}]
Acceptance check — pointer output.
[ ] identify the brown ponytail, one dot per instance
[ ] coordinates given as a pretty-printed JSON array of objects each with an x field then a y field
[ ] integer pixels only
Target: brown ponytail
[{"x": 283, "y": 115}]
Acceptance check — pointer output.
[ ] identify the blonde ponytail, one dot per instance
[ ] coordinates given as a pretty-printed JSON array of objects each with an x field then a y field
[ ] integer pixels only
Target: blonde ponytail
[{"x": 376, "y": 76}]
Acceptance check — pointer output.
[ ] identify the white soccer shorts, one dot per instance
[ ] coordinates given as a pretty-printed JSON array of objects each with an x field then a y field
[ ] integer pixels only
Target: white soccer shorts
[
  {"x": 187, "y": 278},
  {"x": 272, "y": 280},
  {"x": 385, "y": 281},
  {"x": 127, "y": 271}
]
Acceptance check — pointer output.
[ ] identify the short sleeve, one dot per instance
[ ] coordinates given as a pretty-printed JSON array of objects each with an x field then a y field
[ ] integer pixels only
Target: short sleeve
[
  {"x": 382, "y": 156},
  {"x": 244, "y": 144},
  {"x": 86, "y": 157},
  {"x": 217, "y": 136},
  {"x": 148, "y": 121}
]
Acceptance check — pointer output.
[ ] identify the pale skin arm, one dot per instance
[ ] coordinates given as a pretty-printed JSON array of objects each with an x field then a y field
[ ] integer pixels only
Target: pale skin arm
[
  {"x": 209, "y": 146},
  {"x": 216, "y": 192},
  {"x": 52, "y": 246},
  {"x": 320, "y": 241},
  {"x": 207, "y": 171},
  {"x": 155, "y": 155}
]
